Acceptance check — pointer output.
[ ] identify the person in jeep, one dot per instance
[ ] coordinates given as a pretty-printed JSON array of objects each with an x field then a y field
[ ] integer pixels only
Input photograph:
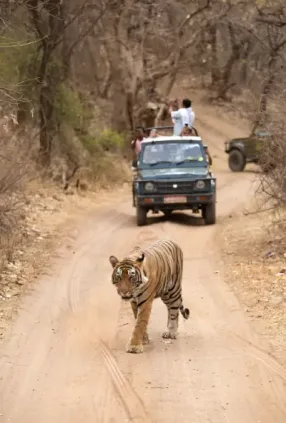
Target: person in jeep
[
  {"x": 189, "y": 131},
  {"x": 209, "y": 157},
  {"x": 186, "y": 131},
  {"x": 183, "y": 116},
  {"x": 136, "y": 142}
]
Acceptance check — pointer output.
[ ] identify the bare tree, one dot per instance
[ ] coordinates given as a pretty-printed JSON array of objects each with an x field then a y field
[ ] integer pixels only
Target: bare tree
[
  {"x": 128, "y": 54},
  {"x": 144, "y": 52},
  {"x": 53, "y": 23},
  {"x": 271, "y": 20}
]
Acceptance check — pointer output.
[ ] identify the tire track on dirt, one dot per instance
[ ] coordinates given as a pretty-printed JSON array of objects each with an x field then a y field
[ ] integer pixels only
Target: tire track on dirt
[
  {"x": 81, "y": 372},
  {"x": 102, "y": 238},
  {"x": 133, "y": 405},
  {"x": 250, "y": 349},
  {"x": 131, "y": 400},
  {"x": 72, "y": 281},
  {"x": 127, "y": 396},
  {"x": 262, "y": 355}
]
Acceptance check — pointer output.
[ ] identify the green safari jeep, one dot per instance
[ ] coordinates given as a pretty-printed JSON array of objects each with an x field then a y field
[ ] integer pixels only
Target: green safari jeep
[
  {"x": 173, "y": 173},
  {"x": 245, "y": 150}
]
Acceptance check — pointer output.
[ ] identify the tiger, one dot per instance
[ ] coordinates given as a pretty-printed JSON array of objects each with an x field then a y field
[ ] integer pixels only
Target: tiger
[{"x": 146, "y": 274}]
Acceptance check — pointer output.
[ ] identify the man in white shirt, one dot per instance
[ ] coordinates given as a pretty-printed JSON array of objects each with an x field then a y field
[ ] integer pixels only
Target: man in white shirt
[{"x": 183, "y": 116}]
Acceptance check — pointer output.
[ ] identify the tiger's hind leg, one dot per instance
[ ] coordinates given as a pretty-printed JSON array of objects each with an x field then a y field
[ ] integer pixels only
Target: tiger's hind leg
[
  {"x": 146, "y": 338},
  {"x": 173, "y": 323},
  {"x": 173, "y": 307}
]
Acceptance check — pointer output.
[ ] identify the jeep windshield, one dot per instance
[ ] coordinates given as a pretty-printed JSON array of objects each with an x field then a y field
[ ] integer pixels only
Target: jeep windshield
[{"x": 172, "y": 154}]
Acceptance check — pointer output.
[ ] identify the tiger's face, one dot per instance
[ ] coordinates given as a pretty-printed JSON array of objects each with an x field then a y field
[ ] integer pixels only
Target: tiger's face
[{"x": 127, "y": 276}]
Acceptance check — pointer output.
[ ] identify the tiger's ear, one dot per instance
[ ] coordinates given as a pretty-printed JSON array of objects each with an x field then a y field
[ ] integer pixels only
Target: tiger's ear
[
  {"x": 113, "y": 261},
  {"x": 141, "y": 258}
]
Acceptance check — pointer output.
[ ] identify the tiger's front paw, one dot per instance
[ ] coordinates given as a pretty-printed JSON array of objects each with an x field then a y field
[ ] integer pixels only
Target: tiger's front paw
[
  {"x": 169, "y": 335},
  {"x": 134, "y": 349},
  {"x": 146, "y": 339}
]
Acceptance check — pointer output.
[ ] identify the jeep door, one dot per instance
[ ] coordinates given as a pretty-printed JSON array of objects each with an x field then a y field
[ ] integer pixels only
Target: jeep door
[
  {"x": 254, "y": 145},
  {"x": 260, "y": 140}
]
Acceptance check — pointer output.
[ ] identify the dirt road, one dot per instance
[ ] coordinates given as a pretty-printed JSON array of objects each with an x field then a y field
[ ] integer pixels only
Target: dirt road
[{"x": 65, "y": 361}]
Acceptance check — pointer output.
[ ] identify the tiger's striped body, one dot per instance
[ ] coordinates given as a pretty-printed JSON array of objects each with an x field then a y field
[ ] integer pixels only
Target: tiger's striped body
[{"x": 147, "y": 274}]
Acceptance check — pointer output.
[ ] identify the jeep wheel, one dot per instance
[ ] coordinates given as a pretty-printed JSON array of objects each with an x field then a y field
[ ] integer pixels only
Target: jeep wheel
[
  {"x": 133, "y": 197},
  {"x": 141, "y": 215},
  {"x": 236, "y": 161},
  {"x": 209, "y": 213}
]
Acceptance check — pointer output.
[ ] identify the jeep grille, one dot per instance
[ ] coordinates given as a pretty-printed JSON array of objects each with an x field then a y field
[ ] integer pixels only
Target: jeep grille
[{"x": 174, "y": 187}]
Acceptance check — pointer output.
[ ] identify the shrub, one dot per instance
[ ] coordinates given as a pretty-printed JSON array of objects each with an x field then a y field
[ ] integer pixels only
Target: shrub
[
  {"x": 71, "y": 108},
  {"x": 111, "y": 141},
  {"x": 109, "y": 171},
  {"x": 273, "y": 163},
  {"x": 106, "y": 140}
]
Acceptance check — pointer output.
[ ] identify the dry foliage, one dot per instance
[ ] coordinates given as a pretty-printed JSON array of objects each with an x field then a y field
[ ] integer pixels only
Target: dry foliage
[
  {"x": 127, "y": 55},
  {"x": 15, "y": 170},
  {"x": 273, "y": 162},
  {"x": 255, "y": 269},
  {"x": 273, "y": 158}
]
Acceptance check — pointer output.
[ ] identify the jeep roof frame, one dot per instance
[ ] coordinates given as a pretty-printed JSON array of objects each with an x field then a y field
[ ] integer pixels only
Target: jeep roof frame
[
  {"x": 165, "y": 127},
  {"x": 173, "y": 138}
]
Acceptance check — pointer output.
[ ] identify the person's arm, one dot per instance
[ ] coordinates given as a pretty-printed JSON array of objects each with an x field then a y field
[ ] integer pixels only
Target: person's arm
[
  {"x": 176, "y": 114},
  {"x": 192, "y": 118},
  {"x": 133, "y": 142},
  {"x": 210, "y": 157}
]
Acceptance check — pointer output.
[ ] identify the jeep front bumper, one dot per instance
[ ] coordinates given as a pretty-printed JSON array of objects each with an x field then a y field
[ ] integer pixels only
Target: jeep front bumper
[{"x": 169, "y": 201}]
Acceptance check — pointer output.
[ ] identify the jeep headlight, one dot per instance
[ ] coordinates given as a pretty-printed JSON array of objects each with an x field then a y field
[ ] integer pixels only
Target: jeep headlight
[
  {"x": 149, "y": 187},
  {"x": 200, "y": 184}
]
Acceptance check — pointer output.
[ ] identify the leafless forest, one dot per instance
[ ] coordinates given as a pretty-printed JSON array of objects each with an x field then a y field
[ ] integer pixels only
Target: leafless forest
[{"x": 70, "y": 69}]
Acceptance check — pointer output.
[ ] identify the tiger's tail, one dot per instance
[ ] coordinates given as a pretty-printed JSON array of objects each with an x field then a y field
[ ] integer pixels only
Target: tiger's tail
[{"x": 185, "y": 312}]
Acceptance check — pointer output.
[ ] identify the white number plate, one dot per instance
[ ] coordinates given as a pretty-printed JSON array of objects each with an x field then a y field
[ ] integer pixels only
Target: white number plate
[{"x": 175, "y": 199}]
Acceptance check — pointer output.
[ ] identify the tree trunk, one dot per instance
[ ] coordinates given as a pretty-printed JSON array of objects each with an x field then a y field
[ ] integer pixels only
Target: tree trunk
[
  {"x": 266, "y": 90},
  {"x": 49, "y": 23},
  {"x": 215, "y": 71},
  {"x": 225, "y": 80},
  {"x": 245, "y": 64},
  {"x": 48, "y": 126}
]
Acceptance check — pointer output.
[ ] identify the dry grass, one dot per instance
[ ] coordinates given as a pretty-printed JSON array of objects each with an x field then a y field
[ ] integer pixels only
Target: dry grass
[
  {"x": 110, "y": 171},
  {"x": 255, "y": 259}
]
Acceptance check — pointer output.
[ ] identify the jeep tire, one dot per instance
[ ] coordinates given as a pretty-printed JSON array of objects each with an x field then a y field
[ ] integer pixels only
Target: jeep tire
[
  {"x": 133, "y": 196},
  {"x": 209, "y": 213},
  {"x": 236, "y": 160},
  {"x": 141, "y": 215}
]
